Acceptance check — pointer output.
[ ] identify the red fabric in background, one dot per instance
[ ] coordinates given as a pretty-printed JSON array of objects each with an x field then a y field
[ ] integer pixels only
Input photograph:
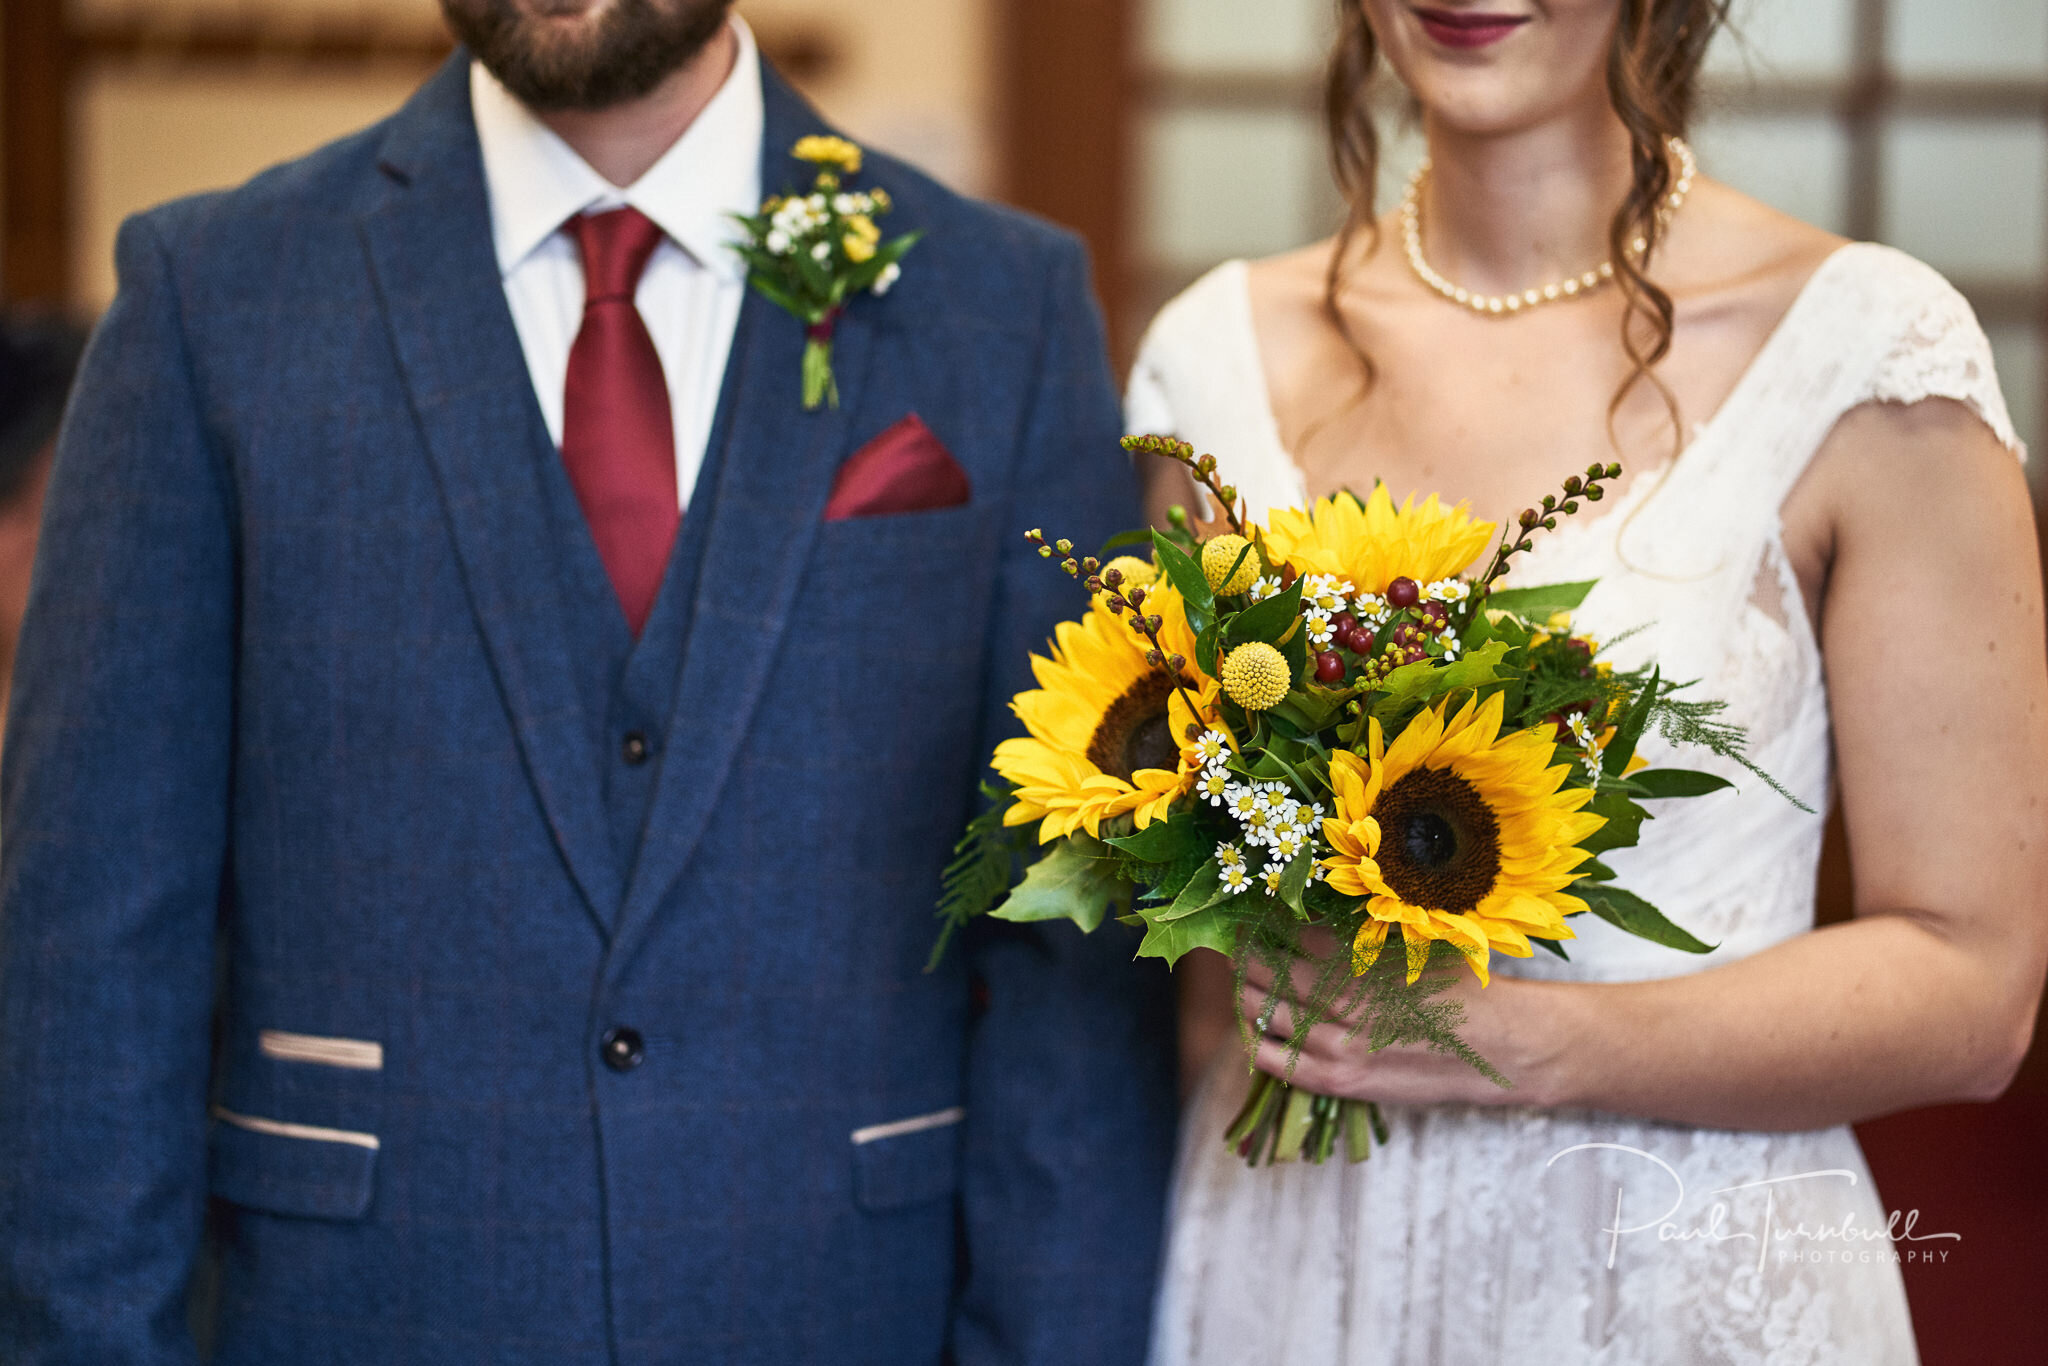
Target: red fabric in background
[
  {"x": 905, "y": 469},
  {"x": 1974, "y": 1170}
]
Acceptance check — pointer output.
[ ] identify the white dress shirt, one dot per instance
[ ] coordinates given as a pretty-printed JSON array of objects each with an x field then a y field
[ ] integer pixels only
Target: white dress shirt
[{"x": 692, "y": 289}]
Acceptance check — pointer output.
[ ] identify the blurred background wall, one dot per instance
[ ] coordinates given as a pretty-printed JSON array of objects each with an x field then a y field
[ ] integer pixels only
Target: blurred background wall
[{"x": 1173, "y": 134}]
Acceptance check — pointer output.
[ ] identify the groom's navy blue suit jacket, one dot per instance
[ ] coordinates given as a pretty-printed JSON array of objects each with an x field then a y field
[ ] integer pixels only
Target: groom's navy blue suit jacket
[{"x": 304, "y": 750}]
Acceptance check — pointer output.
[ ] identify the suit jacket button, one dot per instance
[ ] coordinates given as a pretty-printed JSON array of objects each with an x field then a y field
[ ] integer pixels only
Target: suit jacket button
[
  {"x": 622, "y": 1049},
  {"x": 634, "y": 749}
]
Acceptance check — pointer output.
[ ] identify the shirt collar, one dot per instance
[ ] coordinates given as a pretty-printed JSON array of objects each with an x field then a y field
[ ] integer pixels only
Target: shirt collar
[{"x": 537, "y": 182}]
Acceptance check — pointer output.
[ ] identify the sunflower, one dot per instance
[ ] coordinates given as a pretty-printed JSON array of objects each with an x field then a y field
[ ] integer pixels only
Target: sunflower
[
  {"x": 1104, "y": 724},
  {"x": 1457, "y": 832},
  {"x": 1373, "y": 543}
]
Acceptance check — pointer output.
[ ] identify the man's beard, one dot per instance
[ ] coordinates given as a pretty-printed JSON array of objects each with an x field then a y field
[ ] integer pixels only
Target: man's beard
[{"x": 619, "y": 55}]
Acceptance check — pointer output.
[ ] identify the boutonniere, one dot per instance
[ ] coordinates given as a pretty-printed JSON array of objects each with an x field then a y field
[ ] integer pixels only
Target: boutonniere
[{"x": 810, "y": 254}]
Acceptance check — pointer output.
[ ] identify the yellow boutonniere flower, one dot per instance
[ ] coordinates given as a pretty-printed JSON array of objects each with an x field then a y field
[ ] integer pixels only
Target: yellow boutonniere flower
[{"x": 828, "y": 151}]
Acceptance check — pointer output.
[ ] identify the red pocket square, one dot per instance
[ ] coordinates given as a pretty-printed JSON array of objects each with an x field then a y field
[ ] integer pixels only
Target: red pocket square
[{"x": 905, "y": 469}]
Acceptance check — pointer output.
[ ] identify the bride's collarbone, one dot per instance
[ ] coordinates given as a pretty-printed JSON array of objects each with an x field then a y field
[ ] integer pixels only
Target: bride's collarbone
[{"x": 1498, "y": 457}]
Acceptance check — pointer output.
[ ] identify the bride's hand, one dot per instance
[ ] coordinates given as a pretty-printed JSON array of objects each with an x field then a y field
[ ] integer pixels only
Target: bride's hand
[{"x": 1505, "y": 1022}]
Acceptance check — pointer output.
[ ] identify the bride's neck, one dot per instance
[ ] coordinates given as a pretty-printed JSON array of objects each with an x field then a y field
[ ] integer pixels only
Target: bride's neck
[{"x": 1504, "y": 212}]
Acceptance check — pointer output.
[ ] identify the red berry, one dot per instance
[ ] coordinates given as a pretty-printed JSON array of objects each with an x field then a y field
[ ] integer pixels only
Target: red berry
[
  {"x": 1343, "y": 624},
  {"x": 1415, "y": 654},
  {"x": 1404, "y": 592},
  {"x": 1358, "y": 640},
  {"x": 1435, "y": 615},
  {"x": 1329, "y": 667}
]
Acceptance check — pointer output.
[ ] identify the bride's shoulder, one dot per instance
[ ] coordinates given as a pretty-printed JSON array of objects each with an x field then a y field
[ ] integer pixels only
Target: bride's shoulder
[
  {"x": 1738, "y": 256},
  {"x": 1215, "y": 299}
]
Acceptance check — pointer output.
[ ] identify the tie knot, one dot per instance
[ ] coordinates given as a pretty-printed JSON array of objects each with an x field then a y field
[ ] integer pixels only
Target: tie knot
[{"x": 615, "y": 246}]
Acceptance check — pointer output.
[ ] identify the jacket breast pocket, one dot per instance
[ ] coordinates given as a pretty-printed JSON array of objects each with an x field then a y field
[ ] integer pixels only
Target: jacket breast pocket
[
  {"x": 302, "y": 1170},
  {"x": 908, "y": 1161}
]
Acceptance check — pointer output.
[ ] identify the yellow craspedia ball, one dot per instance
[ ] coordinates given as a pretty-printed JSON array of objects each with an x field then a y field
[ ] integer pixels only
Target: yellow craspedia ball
[
  {"x": 1256, "y": 676},
  {"x": 1136, "y": 573},
  {"x": 1218, "y": 554}
]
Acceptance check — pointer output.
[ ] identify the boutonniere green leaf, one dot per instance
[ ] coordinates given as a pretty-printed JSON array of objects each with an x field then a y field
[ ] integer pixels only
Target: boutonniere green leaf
[{"x": 812, "y": 254}]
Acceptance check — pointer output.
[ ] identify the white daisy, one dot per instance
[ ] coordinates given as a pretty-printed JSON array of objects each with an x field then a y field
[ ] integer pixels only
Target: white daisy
[
  {"x": 1229, "y": 855},
  {"x": 1326, "y": 591},
  {"x": 1271, "y": 877},
  {"x": 1211, "y": 747},
  {"x": 1265, "y": 587},
  {"x": 1241, "y": 799},
  {"x": 1318, "y": 623},
  {"x": 1448, "y": 590},
  {"x": 1286, "y": 846},
  {"x": 891, "y": 273},
  {"x": 1234, "y": 878},
  {"x": 1213, "y": 785}
]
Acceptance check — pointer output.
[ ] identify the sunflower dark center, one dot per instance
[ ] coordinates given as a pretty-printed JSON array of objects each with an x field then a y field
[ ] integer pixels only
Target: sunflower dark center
[
  {"x": 1134, "y": 732},
  {"x": 1439, "y": 841}
]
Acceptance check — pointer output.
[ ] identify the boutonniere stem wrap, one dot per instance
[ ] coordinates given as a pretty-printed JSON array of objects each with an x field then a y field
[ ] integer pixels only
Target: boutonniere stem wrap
[{"x": 812, "y": 254}]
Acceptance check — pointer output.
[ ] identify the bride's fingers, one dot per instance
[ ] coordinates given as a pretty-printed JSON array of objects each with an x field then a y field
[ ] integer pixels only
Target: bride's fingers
[
  {"x": 1275, "y": 1058},
  {"x": 1275, "y": 1018}
]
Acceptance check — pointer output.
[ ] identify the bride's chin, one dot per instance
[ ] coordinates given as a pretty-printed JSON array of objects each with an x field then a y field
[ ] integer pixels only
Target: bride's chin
[{"x": 1496, "y": 103}]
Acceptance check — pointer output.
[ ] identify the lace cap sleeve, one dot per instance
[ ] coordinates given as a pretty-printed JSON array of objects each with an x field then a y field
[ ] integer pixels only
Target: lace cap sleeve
[{"x": 1937, "y": 349}]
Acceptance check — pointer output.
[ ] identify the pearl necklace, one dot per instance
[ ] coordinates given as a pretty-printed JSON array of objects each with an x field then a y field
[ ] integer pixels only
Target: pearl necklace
[{"x": 1495, "y": 305}]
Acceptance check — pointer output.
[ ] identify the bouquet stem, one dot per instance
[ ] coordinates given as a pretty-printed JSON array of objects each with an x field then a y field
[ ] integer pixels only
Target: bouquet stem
[
  {"x": 1283, "y": 1123},
  {"x": 819, "y": 386}
]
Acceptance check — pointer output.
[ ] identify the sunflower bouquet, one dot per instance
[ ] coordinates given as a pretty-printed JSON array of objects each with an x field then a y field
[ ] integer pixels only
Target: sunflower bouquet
[{"x": 1327, "y": 722}]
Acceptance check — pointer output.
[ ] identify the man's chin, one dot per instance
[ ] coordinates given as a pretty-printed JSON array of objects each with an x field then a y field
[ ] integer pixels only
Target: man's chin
[{"x": 561, "y": 55}]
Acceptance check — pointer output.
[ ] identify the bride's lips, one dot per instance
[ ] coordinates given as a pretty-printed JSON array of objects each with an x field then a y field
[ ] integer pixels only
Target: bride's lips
[{"x": 1466, "y": 28}]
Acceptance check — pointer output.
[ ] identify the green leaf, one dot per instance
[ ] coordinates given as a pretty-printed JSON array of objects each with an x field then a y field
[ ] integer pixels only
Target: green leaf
[
  {"x": 1552, "y": 945},
  {"x": 1627, "y": 911},
  {"x": 1164, "y": 841},
  {"x": 1424, "y": 681},
  {"x": 1204, "y": 890},
  {"x": 1213, "y": 927},
  {"x": 1075, "y": 881},
  {"x": 1676, "y": 782},
  {"x": 1268, "y": 620},
  {"x": 1593, "y": 870},
  {"x": 1624, "y": 826},
  {"x": 979, "y": 872},
  {"x": 1306, "y": 712},
  {"x": 1206, "y": 648},
  {"x": 1629, "y": 730},
  {"x": 775, "y": 294},
  {"x": 1184, "y": 574},
  {"x": 1294, "y": 880},
  {"x": 1537, "y": 603}
]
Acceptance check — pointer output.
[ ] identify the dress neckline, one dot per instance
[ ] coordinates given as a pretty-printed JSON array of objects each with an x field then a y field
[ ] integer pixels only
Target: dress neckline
[{"x": 1752, "y": 376}]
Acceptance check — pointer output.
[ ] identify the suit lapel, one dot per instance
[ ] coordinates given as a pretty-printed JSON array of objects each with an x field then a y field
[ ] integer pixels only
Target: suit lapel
[
  {"x": 777, "y": 474},
  {"x": 430, "y": 248}
]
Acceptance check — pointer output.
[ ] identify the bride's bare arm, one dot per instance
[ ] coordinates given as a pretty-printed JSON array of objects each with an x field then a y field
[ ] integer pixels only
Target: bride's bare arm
[{"x": 1931, "y": 624}]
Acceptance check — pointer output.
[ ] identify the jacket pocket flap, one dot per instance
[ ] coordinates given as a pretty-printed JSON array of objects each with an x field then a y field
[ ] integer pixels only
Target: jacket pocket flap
[
  {"x": 295, "y": 1169},
  {"x": 907, "y": 1162}
]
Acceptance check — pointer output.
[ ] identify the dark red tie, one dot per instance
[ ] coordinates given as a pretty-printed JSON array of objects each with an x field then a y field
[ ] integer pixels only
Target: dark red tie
[{"x": 618, "y": 434}]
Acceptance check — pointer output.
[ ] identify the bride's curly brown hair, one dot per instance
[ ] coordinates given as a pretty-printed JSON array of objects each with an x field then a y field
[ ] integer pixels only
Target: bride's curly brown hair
[{"x": 1653, "y": 82}]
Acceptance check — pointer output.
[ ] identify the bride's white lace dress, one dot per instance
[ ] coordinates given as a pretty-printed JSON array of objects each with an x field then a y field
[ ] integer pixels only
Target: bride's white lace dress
[{"x": 1484, "y": 1235}]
